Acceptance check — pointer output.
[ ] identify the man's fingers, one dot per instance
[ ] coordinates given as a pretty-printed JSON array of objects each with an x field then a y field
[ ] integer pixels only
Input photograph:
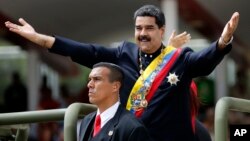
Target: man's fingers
[
  {"x": 10, "y": 25},
  {"x": 229, "y": 29},
  {"x": 231, "y": 26},
  {"x": 22, "y": 21},
  {"x": 13, "y": 27},
  {"x": 235, "y": 20},
  {"x": 235, "y": 17},
  {"x": 173, "y": 34},
  {"x": 183, "y": 34},
  {"x": 187, "y": 36}
]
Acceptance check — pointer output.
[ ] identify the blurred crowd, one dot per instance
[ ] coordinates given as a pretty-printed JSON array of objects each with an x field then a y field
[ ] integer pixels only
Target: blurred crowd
[{"x": 16, "y": 100}]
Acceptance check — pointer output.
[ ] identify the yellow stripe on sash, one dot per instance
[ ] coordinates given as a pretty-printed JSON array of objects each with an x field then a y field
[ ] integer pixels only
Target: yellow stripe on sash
[{"x": 152, "y": 66}]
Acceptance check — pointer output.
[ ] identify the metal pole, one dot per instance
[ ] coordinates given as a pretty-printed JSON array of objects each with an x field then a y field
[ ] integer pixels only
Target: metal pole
[
  {"x": 71, "y": 115},
  {"x": 221, "y": 114},
  {"x": 73, "y": 112},
  {"x": 32, "y": 116}
]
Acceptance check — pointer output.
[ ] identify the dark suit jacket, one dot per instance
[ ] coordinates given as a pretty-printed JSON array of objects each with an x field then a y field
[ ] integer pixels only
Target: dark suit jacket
[
  {"x": 122, "y": 127},
  {"x": 201, "y": 132},
  {"x": 168, "y": 114}
]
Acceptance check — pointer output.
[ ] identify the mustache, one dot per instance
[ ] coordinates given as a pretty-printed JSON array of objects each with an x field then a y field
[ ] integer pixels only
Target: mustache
[{"x": 144, "y": 38}]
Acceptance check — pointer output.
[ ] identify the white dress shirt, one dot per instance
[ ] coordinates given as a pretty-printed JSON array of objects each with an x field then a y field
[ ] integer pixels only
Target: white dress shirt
[{"x": 108, "y": 114}]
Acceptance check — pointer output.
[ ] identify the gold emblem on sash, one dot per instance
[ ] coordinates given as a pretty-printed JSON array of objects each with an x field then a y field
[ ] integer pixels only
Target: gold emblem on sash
[
  {"x": 144, "y": 103},
  {"x": 139, "y": 101}
]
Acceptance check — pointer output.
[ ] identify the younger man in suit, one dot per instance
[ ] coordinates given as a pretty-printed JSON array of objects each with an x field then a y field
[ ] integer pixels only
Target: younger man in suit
[{"x": 115, "y": 123}]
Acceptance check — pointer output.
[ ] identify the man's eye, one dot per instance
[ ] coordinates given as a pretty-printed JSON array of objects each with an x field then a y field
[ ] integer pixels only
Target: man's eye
[
  {"x": 150, "y": 28},
  {"x": 138, "y": 28},
  {"x": 96, "y": 78}
]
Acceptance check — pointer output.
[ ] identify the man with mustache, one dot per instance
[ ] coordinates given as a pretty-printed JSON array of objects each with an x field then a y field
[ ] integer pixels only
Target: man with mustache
[
  {"x": 157, "y": 77},
  {"x": 116, "y": 123}
]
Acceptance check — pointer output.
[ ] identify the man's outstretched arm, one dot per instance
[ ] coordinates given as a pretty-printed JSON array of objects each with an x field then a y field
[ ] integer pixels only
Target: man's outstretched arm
[{"x": 27, "y": 31}]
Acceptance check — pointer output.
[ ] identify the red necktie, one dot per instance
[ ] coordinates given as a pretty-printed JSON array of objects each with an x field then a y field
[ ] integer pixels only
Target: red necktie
[{"x": 97, "y": 125}]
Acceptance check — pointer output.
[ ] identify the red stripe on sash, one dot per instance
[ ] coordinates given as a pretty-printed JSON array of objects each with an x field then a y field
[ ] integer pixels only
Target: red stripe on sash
[
  {"x": 158, "y": 79},
  {"x": 194, "y": 103}
]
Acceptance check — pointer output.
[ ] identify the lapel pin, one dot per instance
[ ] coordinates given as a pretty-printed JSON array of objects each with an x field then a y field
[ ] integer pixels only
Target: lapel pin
[{"x": 110, "y": 133}]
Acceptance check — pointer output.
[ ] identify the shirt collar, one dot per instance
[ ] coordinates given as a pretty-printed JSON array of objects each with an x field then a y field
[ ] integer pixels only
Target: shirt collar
[
  {"x": 152, "y": 55},
  {"x": 108, "y": 114}
]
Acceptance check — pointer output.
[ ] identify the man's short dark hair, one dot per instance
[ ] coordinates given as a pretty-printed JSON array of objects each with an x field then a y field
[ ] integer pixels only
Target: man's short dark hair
[
  {"x": 151, "y": 11},
  {"x": 116, "y": 73}
]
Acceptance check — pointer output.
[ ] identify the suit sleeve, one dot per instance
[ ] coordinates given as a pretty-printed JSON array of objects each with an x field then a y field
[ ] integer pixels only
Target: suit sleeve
[
  {"x": 83, "y": 53},
  {"x": 204, "y": 62}
]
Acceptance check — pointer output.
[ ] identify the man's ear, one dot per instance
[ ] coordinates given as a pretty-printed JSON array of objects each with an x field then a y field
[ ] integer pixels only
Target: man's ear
[
  {"x": 116, "y": 86},
  {"x": 163, "y": 30}
]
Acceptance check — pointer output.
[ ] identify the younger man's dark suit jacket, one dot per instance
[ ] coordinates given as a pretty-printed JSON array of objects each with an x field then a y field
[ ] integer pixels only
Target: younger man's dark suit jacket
[{"x": 122, "y": 127}]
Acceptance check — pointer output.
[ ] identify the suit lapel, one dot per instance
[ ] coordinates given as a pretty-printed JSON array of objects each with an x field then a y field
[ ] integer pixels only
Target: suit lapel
[
  {"x": 116, "y": 118},
  {"x": 87, "y": 130},
  {"x": 108, "y": 130},
  {"x": 111, "y": 125}
]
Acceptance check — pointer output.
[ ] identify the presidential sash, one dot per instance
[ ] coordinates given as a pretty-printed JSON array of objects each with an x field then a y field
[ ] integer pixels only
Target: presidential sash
[{"x": 147, "y": 84}]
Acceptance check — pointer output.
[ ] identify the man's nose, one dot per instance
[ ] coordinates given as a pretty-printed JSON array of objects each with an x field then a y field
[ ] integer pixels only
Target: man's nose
[
  {"x": 90, "y": 84},
  {"x": 143, "y": 32}
]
